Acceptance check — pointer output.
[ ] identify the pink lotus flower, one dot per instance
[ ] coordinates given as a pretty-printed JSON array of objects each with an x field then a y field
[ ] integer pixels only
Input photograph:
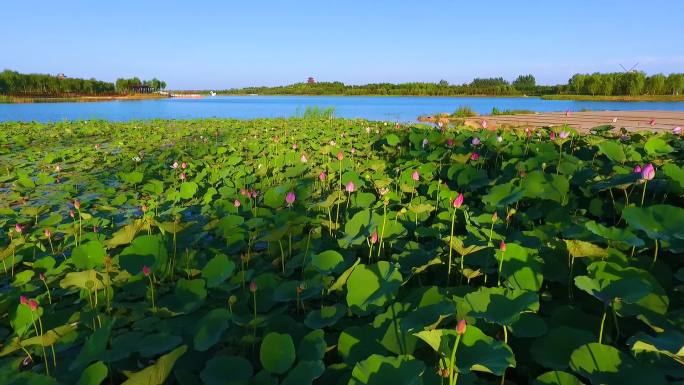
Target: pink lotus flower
[
  {"x": 353, "y": 150},
  {"x": 475, "y": 141},
  {"x": 648, "y": 172},
  {"x": 290, "y": 198},
  {"x": 502, "y": 245},
  {"x": 461, "y": 327},
  {"x": 184, "y": 165},
  {"x": 652, "y": 122},
  {"x": 182, "y": 176},
  {"x": 174, "y": 165},
  {"x": 564, "y": 134},
  {"x": 495, "y": 216},
  {"x": 77, "y": 204},
  {"x": 303, "y": 159},
  {"x": 567, "y": 113},
  {"x": 374, "y": 238},
  {"x": 484, "y": 124},
  {"x": 474, "y": 156},
  {"x": 425, "y": 142},
  {"x": 350, "y": 187},
  {"x": 237, "y": 203},
  {"x": 458, "y": 202},
  {"x": 47, "y": 233},
  {"x": 294, "y": 146},
  {"x": 41, "y": 276},
  {"x": 244, "y": 192},
  {"x": 322, "y": 176},
  {"x": 637, "y": 169},
  {"x": 23, "y": 300},
  {"x": 677, "y": 130},
  {"x": 450, "y": 142},
  {"x": 254, "y": 194},
  {"x": 33, "y": 304},
  {"x": 253, "y": 286},
  {"x": 147, "y": 271},
  {"x": 340, "y": 156},
  {"x": 552, "y": 135},
  {"x": 96, "y": 229},
  {"x": 415, "y": 176},
  {"x": 71, "y": 213},
  {"x": 18, "y": 228}
]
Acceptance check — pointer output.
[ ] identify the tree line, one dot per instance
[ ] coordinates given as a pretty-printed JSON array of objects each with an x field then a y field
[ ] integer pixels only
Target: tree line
[
  {"x": 133, "y": 84},
  {"x": 15, "y": 83},
  {"x": 622, "y": 83}
]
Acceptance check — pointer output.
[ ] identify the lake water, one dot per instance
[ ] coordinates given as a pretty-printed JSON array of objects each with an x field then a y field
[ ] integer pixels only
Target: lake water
[{"x": 402, "y": 108}]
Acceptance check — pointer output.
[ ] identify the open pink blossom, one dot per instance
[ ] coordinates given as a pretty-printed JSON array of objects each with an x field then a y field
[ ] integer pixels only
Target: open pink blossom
[
  {"x": 415, "y": 176},
  {"x": 237, "y": 203},
  {"x": 474, "y": 156},
  {"x": 475, "y": 141},
  {"x": 677, "y": 130}
]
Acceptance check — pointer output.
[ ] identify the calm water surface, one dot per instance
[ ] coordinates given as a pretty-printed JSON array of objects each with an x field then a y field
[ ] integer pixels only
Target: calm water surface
[{"x": 245, "y": 107}]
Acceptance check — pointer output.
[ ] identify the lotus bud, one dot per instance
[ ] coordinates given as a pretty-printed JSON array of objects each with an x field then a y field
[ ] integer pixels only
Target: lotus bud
[
  {"x": 637, "y": 169},
  {"x": 461, "y": 327},
  {"x": 290, "y": 198},
  {"x": 253, "y": 286},
  {"x": 474, "y": 156},
  {"x": 350, "y": 187},
  {"x": 322, "y": 176},
  {"x": 340, "y": 156},
  {"x": 33, "y": 304},
  {"x": 23, "y": 300},
  {"x": 415, "y": 176},
  {"x": 475, "y": 141},
  {"x": 374, "y": 238},
  {"x": 458, "y": 202},
  {"x": 648, "y": 172},
  {"x": 147, "y": 271},
  {"x": 502, "y": 245}
]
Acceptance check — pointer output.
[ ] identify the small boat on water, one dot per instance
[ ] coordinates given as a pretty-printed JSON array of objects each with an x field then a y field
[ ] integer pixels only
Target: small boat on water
[
  {"x": 186, "y": 96},
  {"x": 212, "y": 93}
]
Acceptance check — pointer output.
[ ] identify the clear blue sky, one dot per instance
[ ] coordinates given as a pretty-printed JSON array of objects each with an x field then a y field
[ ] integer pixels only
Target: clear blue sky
[{"x": 222, "y": 44}]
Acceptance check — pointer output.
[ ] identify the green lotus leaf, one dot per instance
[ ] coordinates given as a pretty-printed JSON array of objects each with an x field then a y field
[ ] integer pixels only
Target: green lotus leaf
[
  {"x": 604, "y": 364},
  {"x": 145, "y": 250},
  {"x": 93, "y": 374},
  {"x": 325, "y": 316},
  {"x": 217, "y": 270},
  {"x": 93, "y": 347},
  {"x": 557, "y": 378},
  {"x": 326, "y": 261},
  {"x": 613, "y": 150},
  {"x": 664, "y": 222},
  {"x": 304, "y": 373},
  {"x": 657, "y": 146},
  {"x": 371, "y": 287},
  {"x": 188, "y": 189},
  {"x": 499, "y": 305},
  {"x": 226, "y": 370},
  {"x": 156, "y": 373},
  {"x": 380, "y": 370},
  {"x": 210, "y": 328},
  {"x": 277, "y": 353},
  {"x": 88, "y": 255},
  {"x": 155, "y": 344}
]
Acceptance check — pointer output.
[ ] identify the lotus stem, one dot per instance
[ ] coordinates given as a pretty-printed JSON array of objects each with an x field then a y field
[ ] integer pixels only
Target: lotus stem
[
  {"x": 603, "y": 320},
  {"x": 40, "y": 334},
  {"x": 451, "y": 243},
  {"x": 47, "y": 289},
  {"x": 655, "y": 253},
  {"x": 453, "y": 375},
  {"x": 152, "y": 291},
  {"x": 255, "y": 312},
  {"x": 382, "y": 232},
  {"x": 643, "y": 192},
  {"x": 498, "y": 280},
  {"x": 505, "y": 332}
]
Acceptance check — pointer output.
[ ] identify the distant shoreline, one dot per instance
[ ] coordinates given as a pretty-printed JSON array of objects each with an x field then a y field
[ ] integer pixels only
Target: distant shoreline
[
  {"x": 616, "y": 98},
  {"x": 77, "y": 99}
]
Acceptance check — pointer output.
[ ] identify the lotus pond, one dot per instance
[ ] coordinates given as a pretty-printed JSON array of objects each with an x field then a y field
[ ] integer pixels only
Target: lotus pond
[{"x": 331, "y": 251}]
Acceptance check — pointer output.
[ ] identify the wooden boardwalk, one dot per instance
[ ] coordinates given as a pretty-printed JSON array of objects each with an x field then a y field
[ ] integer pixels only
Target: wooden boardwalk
[{"x": 583, "y": 121}]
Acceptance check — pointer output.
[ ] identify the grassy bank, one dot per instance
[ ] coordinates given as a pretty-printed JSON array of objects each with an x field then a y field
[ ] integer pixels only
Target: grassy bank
[
  {"x": 72, "y": 99},
  {"x": 617, "y": 98}
]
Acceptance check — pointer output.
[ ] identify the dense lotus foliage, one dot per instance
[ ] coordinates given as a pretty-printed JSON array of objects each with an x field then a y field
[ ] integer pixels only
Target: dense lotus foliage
[{"x": 330, "y": 251}]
